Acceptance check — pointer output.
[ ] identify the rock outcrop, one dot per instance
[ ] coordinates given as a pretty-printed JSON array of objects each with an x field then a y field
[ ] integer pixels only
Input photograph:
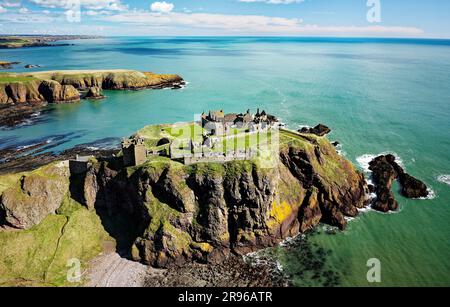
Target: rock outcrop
[
  {"x": 37, "y": 195},
  {"x": 94, "y": 93},
  {"x": 385, "y": 171},
  {"x": 319, "y": 130},
  {"x": 64, "y": 86},
  {"x": 204, "y": 212},
  {"x": 54, "y": 92},
  {"x": 7, "y": 65},
  {"x": 20, "y": 94},
  {"x": 29, "y": 66}
]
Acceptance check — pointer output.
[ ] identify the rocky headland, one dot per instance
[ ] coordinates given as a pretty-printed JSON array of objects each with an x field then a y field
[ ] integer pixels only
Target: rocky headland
[
  {"x": 27, "y": 41},
  {"x": 22, "y": 93},
  {"x": 166, "y": 214}
]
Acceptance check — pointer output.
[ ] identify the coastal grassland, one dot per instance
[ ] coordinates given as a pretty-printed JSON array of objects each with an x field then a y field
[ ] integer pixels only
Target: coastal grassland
[
  {"x": 182, "y": 133},
  {"x": 9, "y": 180},
  {"x": 38, "y": 256},
  {"x": 329, "y": 165},
  {"x": 12, "y": 179},
  {"x": 6, "y": 78},
  {"x": 119, "y": 76},
  {"x": 13, "y": 42}
]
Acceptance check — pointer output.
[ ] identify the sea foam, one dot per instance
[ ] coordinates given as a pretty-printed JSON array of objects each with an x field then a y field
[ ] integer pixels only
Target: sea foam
[
  {"x": 431, "y": 195},
  {"x": 364, "y": 160},
  {"x": 444, "y": 179}
]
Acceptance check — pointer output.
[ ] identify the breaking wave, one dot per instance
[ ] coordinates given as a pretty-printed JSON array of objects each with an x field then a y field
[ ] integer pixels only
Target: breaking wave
[
  {"x": 364, "y": 160},
  {"x": 444, "y": 179}
]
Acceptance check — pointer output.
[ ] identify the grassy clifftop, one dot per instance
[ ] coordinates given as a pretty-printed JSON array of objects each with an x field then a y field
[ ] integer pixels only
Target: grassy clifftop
[
  {"x": 65, "y": 86},
  {"x": 173, "y": 213},
  {"x": 39, "y": 256},
  {"x": 22, "y": 41}
]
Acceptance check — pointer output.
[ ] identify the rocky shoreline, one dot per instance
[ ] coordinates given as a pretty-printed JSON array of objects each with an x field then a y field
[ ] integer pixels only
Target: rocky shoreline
[
  {"x": 197, "y": 221},
  {"x": 29, "y": 41},
  {"x": 22, "y": 94}
]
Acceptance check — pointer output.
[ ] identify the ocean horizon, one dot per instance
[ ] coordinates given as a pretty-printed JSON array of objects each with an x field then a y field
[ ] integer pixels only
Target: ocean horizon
[{"x": 378, "y": 95}]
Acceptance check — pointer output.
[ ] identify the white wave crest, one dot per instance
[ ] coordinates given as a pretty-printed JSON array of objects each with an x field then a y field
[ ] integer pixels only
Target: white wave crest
[
  {"x": 431, "y": 195},
  {"x": 444, "y": 179},
  {"x": 364, "y": 160}
]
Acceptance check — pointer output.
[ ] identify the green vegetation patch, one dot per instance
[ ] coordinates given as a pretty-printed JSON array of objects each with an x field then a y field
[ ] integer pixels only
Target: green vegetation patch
[
  {"x": 207, "y": 169},
  {"x": 15, "y": 78},
  {"x": 39, "y": 256},
  {"x": 161, "y": 214}
]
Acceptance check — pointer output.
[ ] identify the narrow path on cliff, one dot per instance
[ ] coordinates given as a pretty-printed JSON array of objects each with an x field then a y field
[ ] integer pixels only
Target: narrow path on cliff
[{"x": 58, "y": 245}]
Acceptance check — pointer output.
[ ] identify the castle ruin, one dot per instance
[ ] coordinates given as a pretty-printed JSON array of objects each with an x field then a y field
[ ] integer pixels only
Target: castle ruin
[{"x": 134, "y": 151}]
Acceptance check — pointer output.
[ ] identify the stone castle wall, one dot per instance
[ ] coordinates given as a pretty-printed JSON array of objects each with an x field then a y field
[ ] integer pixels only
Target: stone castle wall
[{"x": 219, "y": 157}]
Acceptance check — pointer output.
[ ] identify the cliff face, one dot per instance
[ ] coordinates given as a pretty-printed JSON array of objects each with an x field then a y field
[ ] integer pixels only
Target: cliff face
[
  {"x": 206, "y": 211},
  {"x": 64, "y": 86},
  {"x": 165, "y": 213}
]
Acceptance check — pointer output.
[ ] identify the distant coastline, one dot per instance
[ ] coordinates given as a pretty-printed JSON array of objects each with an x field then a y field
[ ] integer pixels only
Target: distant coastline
[{"x": 27, "y": 41}]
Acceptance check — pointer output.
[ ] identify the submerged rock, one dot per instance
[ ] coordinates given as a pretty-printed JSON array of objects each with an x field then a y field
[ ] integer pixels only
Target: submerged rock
[{"x": 29, "y": 66}]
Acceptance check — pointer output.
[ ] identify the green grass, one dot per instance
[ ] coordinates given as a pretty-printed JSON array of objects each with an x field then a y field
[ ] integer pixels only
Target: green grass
[
  {"x": 38, "y": 257},
  {"x": 13, "y": 42},
  {"x": 161, "y": 213},
  {"x": 237, "y": 139},
  {"x": 9, "y": 180},
  {"x": 15, "y": 78}
]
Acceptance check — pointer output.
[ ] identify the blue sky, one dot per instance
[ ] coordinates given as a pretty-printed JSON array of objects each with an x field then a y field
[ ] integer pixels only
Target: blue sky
[{"x": 387, "y": 18}]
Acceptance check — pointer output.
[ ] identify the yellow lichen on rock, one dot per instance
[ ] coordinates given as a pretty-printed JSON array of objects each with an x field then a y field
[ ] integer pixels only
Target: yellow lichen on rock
[{"x": 279, "y": 213}]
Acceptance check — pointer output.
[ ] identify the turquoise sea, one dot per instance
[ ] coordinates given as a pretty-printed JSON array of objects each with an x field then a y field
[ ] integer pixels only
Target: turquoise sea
[{"x": 378, "y": 95}]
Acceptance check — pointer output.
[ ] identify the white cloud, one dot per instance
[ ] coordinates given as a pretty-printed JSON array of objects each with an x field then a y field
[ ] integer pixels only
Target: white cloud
[
  {"x": 26, "y": 19},
  {"x": 11, "y": 3},
  {"x": 200, "y": 20},
  {"x": 250, "y": 25},
  {"x": 273, "y": 1},
  {"x": 112, "y": 5},
  {"x": 162, "y": 7},
  {"x": 2, "y": 9}
]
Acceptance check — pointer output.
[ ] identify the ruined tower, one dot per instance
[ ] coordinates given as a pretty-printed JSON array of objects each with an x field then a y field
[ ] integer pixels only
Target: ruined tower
[{"x": 134, "y": 152}]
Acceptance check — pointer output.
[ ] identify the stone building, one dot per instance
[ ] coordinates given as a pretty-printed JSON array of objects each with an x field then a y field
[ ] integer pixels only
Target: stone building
[
  {"x": 80, "y": 165},
  {"x": 134, "y": 152},
  {"x": 217, "y": 123}
]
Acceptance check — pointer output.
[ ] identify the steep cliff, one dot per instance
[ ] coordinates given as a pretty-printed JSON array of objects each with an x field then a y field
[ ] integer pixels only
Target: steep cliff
[
  {"x": 53, "y": 228},
  {"x": 64, "y": 86},
  {"x": 205, "y": 211},
  {"x": 164, "y": 213}
]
